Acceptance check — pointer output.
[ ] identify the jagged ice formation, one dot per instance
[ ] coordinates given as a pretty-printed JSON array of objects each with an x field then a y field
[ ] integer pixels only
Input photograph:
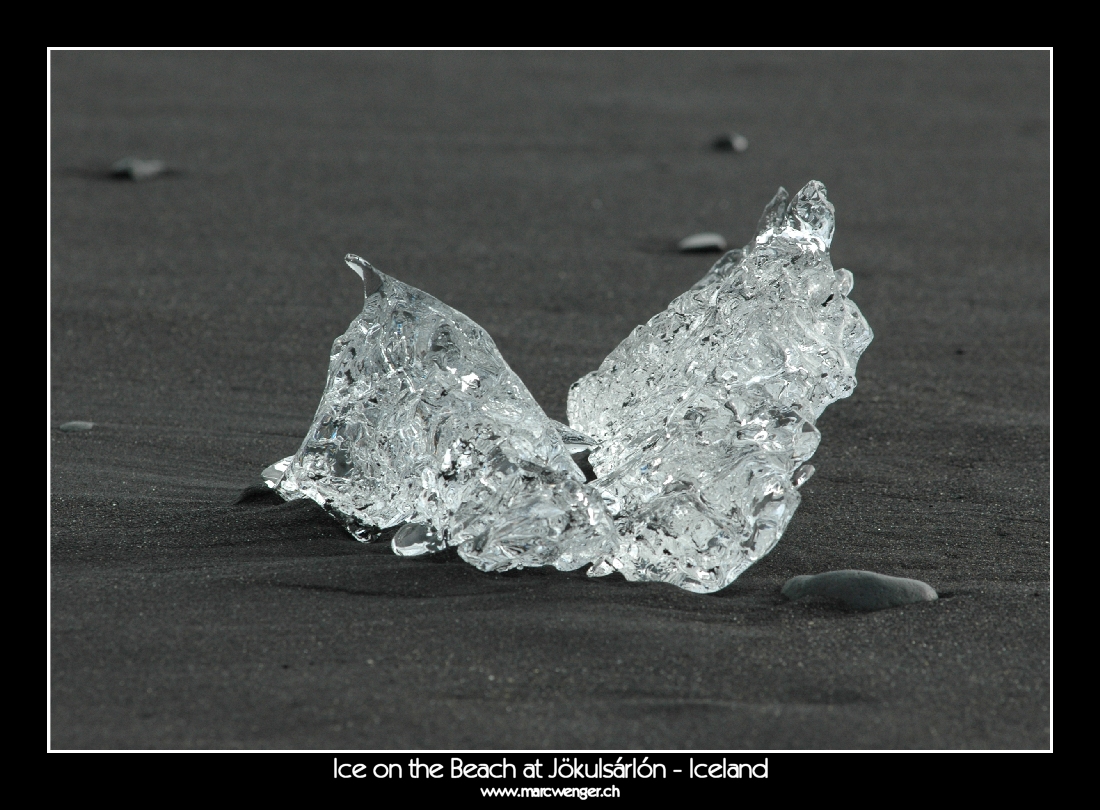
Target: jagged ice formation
[
  {"x": 423, "y": 423},
  {"x": 696, "y": 427},
  {"x": 706, "y": 413}
]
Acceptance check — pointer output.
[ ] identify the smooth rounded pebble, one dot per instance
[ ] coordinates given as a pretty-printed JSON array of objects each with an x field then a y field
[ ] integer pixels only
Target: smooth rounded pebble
[
  {"x": 731, "y": 142},
  {"x": 73, "y": 427},
  {"x": 702, "y": 242},
  {"x": 138, "y": 168},
  {"x": 862, "y": 590}
]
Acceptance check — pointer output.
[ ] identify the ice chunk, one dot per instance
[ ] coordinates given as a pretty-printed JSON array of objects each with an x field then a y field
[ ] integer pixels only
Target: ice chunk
[
  {"x": 272, "y": 476},
  {"x": 704, "y": 414},
  {"x": 694, "y": 432},
  {"x": 423, "y": 423},
  {"x": 580, "y": 446},
  {"x": 414, "y": 539},
  {"x": 721, "y": 269}
]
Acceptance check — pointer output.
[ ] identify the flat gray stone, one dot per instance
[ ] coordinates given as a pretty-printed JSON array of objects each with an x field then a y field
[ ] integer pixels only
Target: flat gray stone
[
  {"x": 862, "y": 590},
  {"x": 76, "y": 427},
  {"x": 702, "y": 242},
  {"x": 138, "y": 168}
]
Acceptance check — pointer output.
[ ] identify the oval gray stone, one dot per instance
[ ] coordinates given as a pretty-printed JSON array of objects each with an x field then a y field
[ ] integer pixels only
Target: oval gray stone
[
  {"x": 138, "y": 169},
  {"x": 702, "y": 242},
  {"x": 731, "y": 142},
  {"x": 75, "y": 427},
  {"x": 862, "y": 590}
]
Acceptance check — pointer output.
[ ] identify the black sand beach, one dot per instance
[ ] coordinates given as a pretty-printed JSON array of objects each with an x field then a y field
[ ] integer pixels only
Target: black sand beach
[{"x": 542, "y": 195}]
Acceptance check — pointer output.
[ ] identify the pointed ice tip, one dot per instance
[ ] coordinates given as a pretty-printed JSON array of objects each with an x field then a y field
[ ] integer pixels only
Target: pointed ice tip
[
  {"x": 811, "y": 212},
  {"x": 371, "y": 279},
  {"x": 774, "y": 213},
  {"x": 357, "y": 263}
]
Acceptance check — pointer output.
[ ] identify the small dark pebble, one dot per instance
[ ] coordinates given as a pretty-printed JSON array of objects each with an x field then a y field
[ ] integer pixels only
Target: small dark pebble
[
  {"x": 77, "y": 427},
  {"x": 861, "y": 590},
  {"x": 731, "y": 142}
]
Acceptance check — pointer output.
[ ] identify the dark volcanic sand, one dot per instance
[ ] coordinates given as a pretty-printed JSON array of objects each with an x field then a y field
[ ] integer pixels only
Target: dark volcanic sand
[{"x": 191, "y": 321}]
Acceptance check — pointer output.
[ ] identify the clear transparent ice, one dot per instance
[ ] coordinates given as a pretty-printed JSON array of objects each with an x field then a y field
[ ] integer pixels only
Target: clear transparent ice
[
  {"x": 423, "y": 423},
  {"x": 696, "y": 428},
  {"x": 706, "y": 413}
]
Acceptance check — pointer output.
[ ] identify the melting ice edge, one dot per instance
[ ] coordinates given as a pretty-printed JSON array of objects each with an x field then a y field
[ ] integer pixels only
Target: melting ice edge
[{"x": 696, "y": 427}]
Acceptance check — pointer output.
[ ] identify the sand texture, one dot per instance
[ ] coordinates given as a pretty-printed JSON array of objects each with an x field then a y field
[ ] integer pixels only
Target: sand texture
[{"x": 544, "y": 196}]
